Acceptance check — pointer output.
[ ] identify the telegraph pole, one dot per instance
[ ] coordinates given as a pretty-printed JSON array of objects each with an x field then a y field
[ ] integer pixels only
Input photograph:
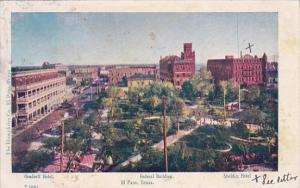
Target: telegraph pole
[
  {"x": 62, "y": 145},
  {"x": 165, "y": 134},
  {"x": 239, "y": 97},
  {"x": 224, "y": 95},
  {"x": 91, "y": 92},
  {"x": 62, "y": 140}
]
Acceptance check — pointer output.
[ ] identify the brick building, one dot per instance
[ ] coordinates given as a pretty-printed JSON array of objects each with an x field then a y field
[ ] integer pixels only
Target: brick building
[
  {"x": 140, "y": 80},
  {"x": 246, "y": 70},
  {"x": 83, "y": 72},
  {"x": 61, "y": 68},
  {"x": 177, "y": 69},
  {"x": 116, "y": 74},
  {"x": 36, "y": 93}
]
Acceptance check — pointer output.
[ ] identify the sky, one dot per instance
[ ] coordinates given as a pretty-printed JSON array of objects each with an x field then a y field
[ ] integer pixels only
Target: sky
[{"x": 138, "y": 38}]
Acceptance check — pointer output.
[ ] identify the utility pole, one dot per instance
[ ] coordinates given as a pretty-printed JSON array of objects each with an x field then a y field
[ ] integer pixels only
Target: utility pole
[
  {"x": 239, "y": 97},
  {"x": 91, "y": 91},
  {"x": 98, "y": 89},
  {"x": 165, "y": 134},
  {"x": 224, "y": 95},
  {"x": 62, "y": 140},
  {"x": 76, "y": 108},
  {"x": 62, "y": 145},
  {"x": 177, "y": 117}
]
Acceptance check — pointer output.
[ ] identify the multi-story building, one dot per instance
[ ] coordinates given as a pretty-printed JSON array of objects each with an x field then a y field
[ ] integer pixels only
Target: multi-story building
[
  {"x": 176, "y": 69},
  {"x": 61, "y": 68},
  {"x": 140, "y": 80},
  {"x": 36, "y": 94},
  {"x": 116, "y": 74},
  {"x": 246, "y": 70},
  {"x": 84, "y": 72}
]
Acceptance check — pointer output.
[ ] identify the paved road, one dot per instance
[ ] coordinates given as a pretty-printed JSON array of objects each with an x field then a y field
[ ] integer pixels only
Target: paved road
[{"x": 19, "y": 146}]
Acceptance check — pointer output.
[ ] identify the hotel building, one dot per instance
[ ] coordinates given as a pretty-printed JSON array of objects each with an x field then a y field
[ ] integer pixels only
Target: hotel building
[
  {"x": 36, "y": 93},
  {"x": 246, "y": 70}
]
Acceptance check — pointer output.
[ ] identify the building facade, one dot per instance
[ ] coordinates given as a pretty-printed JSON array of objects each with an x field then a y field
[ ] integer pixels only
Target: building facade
[
  {"x": 36, "y": 94},
  {"x": 246, "y": 70},
  {"x": 59, "y": 67},
  {"x": 139, "y": 80},
  {"x": 83, "y": 72},
  {"x": 116, "y": 74},
  {"x": 177, "y": 69}
]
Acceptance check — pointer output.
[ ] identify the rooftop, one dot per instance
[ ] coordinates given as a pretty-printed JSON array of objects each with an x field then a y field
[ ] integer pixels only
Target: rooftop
[
  {"x": 32, "y": 72},
  {"x": 141, "y": 77}
]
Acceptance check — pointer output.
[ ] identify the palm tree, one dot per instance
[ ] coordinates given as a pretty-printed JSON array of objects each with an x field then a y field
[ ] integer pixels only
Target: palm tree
[
  {"x": 112, "y": 100},
  {"x": 154, "y": 102},
  {"x": 224, "y": 88},
  {"x": 204, "y": 83},
  {"x": 180, "y": 110},
  {"x": 108, "y": 103}
]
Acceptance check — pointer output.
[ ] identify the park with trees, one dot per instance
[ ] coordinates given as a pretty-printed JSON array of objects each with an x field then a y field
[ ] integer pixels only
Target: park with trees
[{"x": 122, "y": 123}]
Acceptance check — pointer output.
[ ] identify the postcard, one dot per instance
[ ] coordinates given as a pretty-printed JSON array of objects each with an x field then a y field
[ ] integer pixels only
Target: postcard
[{"x": 149, "y": 94}]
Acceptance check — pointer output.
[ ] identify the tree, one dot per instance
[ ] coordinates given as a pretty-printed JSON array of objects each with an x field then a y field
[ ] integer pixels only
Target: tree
[
  {"x": 33, "y": 160},
  {"x": 232, "y": 90},
  {"x": 90, "y": 120},
  {"x": 112, "y": 99},
  {"x": 252, "y": 116},
  {"x": 252, "y": 96},
  {"x": 159, "y": 89},
  {"x": 216, "y": 95},
  {"x": 240, "y": 129},
  {"x": 91, "y": 105},
  {"x": 151, "y": 162},
  {"x": 73, "y": 145},
  {"x": 180, "y": 110},
  {"x": 189, "y": 123},
  {"x": 135, "y": 94},
  {"x": 71, "y": 124},
  {"x": 124, "y": 81},
  {"x": 52, "y": 143},
  {"x": 240, "y": 149},
  {"x": 168, "y": 123},
  {"x": 154, "y": 102},
  {"x": 189, "y": 90},
  {"x": 151, "y": 104},
  {"x": 109, "y": 136},
  {"x": 204, "y": 82}
]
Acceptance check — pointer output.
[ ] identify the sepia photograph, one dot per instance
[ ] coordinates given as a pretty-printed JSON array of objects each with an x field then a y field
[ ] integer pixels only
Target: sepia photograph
[{"x": 144, "y": 92}]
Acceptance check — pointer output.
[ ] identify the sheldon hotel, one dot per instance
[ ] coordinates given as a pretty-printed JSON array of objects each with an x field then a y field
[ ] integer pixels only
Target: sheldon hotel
[{"x": 35, "y": 94}]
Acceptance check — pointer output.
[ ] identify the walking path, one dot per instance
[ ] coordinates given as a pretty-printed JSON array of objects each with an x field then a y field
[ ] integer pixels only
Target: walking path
[
  {"x": 174, "y": 138},
  {"x": 170, "y": 140}
]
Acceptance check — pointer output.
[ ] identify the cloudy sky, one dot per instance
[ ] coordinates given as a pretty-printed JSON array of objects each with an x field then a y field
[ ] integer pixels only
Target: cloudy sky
[{"x": 137, "y": 38}]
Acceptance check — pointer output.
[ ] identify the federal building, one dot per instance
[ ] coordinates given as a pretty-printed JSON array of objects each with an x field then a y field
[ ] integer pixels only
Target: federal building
[
  {"x": 177, "y": 69},
  {"x": 116, "y": 74}
]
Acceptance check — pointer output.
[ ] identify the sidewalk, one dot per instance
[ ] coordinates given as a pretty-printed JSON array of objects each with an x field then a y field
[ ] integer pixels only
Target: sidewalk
[{"x": 170, "y": 140}]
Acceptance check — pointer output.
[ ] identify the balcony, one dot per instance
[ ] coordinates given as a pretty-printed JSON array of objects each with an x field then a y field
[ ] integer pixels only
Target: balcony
[
  {"x": 40, "y": 84},
  {"x": 38, "y": 95},
  {"x": 23, "y": 111}
]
